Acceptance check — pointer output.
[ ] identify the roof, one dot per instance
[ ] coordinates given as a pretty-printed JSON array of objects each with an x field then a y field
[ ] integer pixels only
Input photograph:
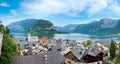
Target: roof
[
  {"x": 72, "y": 43},
  {"x": 22, "y": 44},
  {"x": 78, "y": 52},
  {"x": 30, "y": 52},
  {"x": 56, "y": 47},
  {"x": 92, "y": 50},
  {"x": 51, "y": 43},
  {"x": 65, "y": 51},
  {"x": 1, "y": 37},
  {"x": 53, "y": 57}
]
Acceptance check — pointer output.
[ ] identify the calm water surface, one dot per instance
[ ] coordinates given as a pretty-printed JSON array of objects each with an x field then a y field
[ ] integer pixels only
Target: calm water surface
[{"x": 78, "y": 37}]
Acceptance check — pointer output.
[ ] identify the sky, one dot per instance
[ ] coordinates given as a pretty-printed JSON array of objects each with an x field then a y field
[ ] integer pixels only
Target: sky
[{"x": 59, "y": 12}]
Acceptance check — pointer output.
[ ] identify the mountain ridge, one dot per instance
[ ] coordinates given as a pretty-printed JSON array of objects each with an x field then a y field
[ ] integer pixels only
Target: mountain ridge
[{"x": 102, "y": 26}]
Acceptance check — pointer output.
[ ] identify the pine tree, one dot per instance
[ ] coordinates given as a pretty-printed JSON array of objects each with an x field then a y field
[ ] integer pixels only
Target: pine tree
[
  {"x": 117, "y": 59},
  {"x": 112, "y": 49}
]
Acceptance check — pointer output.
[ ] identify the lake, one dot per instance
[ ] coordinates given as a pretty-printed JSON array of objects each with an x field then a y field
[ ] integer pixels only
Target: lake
[
  {"x": 76, "y": 36},
  {"x": 84, "y": 37}
]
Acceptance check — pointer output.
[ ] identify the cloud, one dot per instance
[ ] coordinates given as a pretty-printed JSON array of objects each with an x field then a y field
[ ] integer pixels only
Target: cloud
[
  {"x": 4, "y": 4},
  {"x": 69, "y": 7},
  {"x": 43, "y": 7},
  {"x": 115, "y": 7},
  {"x": 14, "y": 12},
  {"x": 8, "y": 19},
  {"x": 96, "y": 6}
]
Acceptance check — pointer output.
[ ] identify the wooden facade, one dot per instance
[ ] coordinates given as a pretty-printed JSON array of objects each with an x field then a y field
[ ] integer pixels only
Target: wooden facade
[{"x": 88, "y": 58}]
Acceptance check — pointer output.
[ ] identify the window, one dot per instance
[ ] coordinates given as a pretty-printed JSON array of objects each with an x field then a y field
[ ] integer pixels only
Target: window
[
  {"x": 98, "y": 63},
  {"x": 80, "y": 52}
]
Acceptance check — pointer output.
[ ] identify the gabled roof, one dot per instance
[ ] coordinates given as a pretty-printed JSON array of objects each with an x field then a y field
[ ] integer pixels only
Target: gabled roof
[
  {"x": 78, "y": 52},
  {"x": 92, "y": 50},
  {"x": 65, "y": 51},
  {"x": 53, "y": 57},
  {"x": 1, "y": 37}
]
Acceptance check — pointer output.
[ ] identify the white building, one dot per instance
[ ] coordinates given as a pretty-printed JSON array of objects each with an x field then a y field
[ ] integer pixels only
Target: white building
[
  {"x": 1, "y": 37},
  {"x": 32, "y": 38}
]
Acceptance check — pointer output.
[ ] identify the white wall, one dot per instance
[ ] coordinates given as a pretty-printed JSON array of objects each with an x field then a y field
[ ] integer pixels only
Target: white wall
[{"x": 1, "y": 37}]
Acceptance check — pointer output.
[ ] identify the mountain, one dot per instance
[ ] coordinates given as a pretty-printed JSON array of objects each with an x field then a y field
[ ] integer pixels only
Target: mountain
[
  {"x": 103, "y": 26},
  {"x": 67, "y": 28},
  {"x": 21, "y": 26},
  {"x": 45, "y": 27},
  {"x": 116, "y": 29},
  {"x": 35, "y": 25}
]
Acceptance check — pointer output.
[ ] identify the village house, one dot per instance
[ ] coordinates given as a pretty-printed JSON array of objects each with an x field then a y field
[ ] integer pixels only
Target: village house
[
  {"x": 1, "y": 37},
  {"x": 51, "y": 43},
  {"x": 75, "y": 54},
  {"x": 104, "y": 46},
  {"x": 93, "y": 55},
  {"x": 37, "y": 48},
  {"x": 43, "y": 41},
  {"x": 80, "y": 54}
]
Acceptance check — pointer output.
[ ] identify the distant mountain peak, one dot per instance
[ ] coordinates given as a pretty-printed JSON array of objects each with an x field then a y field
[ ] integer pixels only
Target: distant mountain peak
[{"x": 106, "y": 19}]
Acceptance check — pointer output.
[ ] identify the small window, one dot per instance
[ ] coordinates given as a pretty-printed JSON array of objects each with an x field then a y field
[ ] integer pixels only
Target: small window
[
  {"x": 80, "y": 52},
  {"x": 98, "y": 63}
]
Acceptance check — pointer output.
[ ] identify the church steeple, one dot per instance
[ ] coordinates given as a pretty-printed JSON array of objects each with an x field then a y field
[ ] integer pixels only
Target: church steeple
[
  {"x": 31, "y": 38},
  {"x": 29, "y": 35}
]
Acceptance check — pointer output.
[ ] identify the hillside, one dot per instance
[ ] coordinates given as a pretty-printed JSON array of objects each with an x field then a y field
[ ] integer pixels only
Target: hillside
[
  {"x": 21, "y": 26},
  {"x": 37, "y": 27},
  {"x": 67, "y": 28}
]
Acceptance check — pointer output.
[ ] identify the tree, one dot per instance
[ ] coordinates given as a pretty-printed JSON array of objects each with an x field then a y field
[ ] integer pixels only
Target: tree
[
  {"x": 7, "y": 30},
  {"x": 1, "y": 27},
  {"x": 9, "y": 49},
  {"x": 0, "y": 21},
  {"x": 117, "y": 59},
  {"x": 112, "y": 49},
  {"x": 89, "y": 42}
]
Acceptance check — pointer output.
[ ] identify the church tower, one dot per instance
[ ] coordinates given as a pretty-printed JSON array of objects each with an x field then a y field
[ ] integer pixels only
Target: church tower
[{"x": 29, "y": 35}]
